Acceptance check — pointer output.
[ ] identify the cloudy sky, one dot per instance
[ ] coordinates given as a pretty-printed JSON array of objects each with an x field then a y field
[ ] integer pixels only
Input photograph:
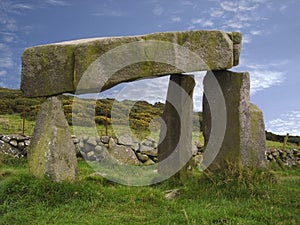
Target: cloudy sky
[{"x": 270, "y": 51}]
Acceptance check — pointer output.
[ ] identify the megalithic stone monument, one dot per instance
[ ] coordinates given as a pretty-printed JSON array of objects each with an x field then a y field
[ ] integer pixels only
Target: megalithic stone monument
[{"x": 101, "y": 63}]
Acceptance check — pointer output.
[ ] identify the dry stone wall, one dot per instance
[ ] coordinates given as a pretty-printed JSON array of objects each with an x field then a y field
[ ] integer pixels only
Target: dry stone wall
[{"x": 14, "y": 145}]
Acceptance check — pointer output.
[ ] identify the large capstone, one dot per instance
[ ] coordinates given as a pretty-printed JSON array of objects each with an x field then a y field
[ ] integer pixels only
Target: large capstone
[
  {"x": 97, "y": 64},
  {"x": 52, "y": 151},
  {"x": 226, "y": 108},
  {"x": 175, "y": 148}
]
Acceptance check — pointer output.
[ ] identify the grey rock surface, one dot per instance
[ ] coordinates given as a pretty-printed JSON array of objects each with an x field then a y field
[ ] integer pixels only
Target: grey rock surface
[
  {"x": 236, "y": 145},
  {"x": 258, "y": 137},
  {"x": 52, "y": 151},
  {"x": 57, "y": 68},
  {"x": 175, "y": 148}
]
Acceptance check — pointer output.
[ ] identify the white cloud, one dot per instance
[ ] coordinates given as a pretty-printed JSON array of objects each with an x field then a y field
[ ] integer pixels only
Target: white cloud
[
  {"x": 8, "y": 24},
  {"x": 6, "y": 54},
  {"x": 286, "y": 123},
  {"x": 57, "y": 2},
  {"x": 191, "y": 27},
  {"x": 242, "y": 17},
  {"x": 111, "y": 13},
  {"x": 186, "y": 3},
  {"x": 8, "y": 39},
  {"x": 153, "y": 90},
  {"x": 236, "y": 24},
  {"x": 158, "y": 10},
  {"x": 216, "y": 13},
  {"x": 6, "y": 62},
  {"x": 204, "y": 23},
  {"x": 264, "y": 76},
  {"x": 263, "y": 79},
  {"x": 208, "y": 23},
  {"x": 229, "y": 6},
  {"x": 247, "y": 39},
  {"x": 176, "y": 19},
  {"x": 283, "y": 8},
  {"x": 238, "y": 6},
  {"x": 2, "y": 73},
  {"x": 196, "y": 21},
  {"x": 256, "y": 32},
  {"x": 23, "y": 6}
]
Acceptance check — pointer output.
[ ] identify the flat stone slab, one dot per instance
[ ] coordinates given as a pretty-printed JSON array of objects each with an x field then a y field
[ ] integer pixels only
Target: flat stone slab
[{"x": 93, "y": 65}]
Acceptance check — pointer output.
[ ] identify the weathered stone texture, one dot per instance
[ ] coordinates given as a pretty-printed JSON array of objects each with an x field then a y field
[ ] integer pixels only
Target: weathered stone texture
[
  {"x": 48, "y": 70},
  {"x": 236, "y": 144},
  {"x": 258, "y": 137},
  {"x": 57, "y": 68},
  {"x": 52, "y": 151},
  {"x": 175, "y": 148}
]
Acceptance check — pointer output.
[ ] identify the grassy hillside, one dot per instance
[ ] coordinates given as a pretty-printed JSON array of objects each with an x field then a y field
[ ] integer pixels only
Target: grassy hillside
[{"x": 141, "y": 113}]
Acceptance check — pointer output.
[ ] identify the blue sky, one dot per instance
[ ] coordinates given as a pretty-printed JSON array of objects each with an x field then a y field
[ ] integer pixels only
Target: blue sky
[{"x": 270, "y": 51}]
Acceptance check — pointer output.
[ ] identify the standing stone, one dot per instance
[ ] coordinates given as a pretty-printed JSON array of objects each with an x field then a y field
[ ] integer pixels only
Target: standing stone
[
  {"x": 52, "y": 152},
  {"x": 258, "y": 137},
  {"x": 236, "y": 143},
  {"x": 174, "y": 150}
]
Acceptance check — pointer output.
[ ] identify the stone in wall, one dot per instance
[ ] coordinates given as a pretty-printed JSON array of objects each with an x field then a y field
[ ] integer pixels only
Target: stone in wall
[
  {"x": 123, "y": 149},
  {"x": 52, "y": 151},
  {"x": 57, "y": 68}
]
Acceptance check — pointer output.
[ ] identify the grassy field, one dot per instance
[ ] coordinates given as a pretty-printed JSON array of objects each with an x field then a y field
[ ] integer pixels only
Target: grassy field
[
  {"x": 11, "y": 124},
  {"x": 239, "y": 197}
]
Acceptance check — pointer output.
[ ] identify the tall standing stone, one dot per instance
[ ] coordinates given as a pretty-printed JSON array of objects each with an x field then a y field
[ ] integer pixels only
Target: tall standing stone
[
  {"x": 175, "y": 148},
  {"x": 236, "y": 144},
  {"x": 52, "y": 152},
  {"x": 258, "y": 137}
]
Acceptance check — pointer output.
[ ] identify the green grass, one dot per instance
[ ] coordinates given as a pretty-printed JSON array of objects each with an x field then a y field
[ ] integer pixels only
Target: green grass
[
  {"x": 279, "y": 145},
  {"x": 13, "y": 124},
  {"x": 236, "y": 197}
]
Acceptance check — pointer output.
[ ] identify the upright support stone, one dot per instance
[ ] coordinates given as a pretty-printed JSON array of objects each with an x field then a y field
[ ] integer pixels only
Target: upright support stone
[
  {"x": 175, "y": 148},
  {"x": 235, "y": 148},
  {"x": 52, "y": 152},
  {"x": 258, "y": 137}
]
